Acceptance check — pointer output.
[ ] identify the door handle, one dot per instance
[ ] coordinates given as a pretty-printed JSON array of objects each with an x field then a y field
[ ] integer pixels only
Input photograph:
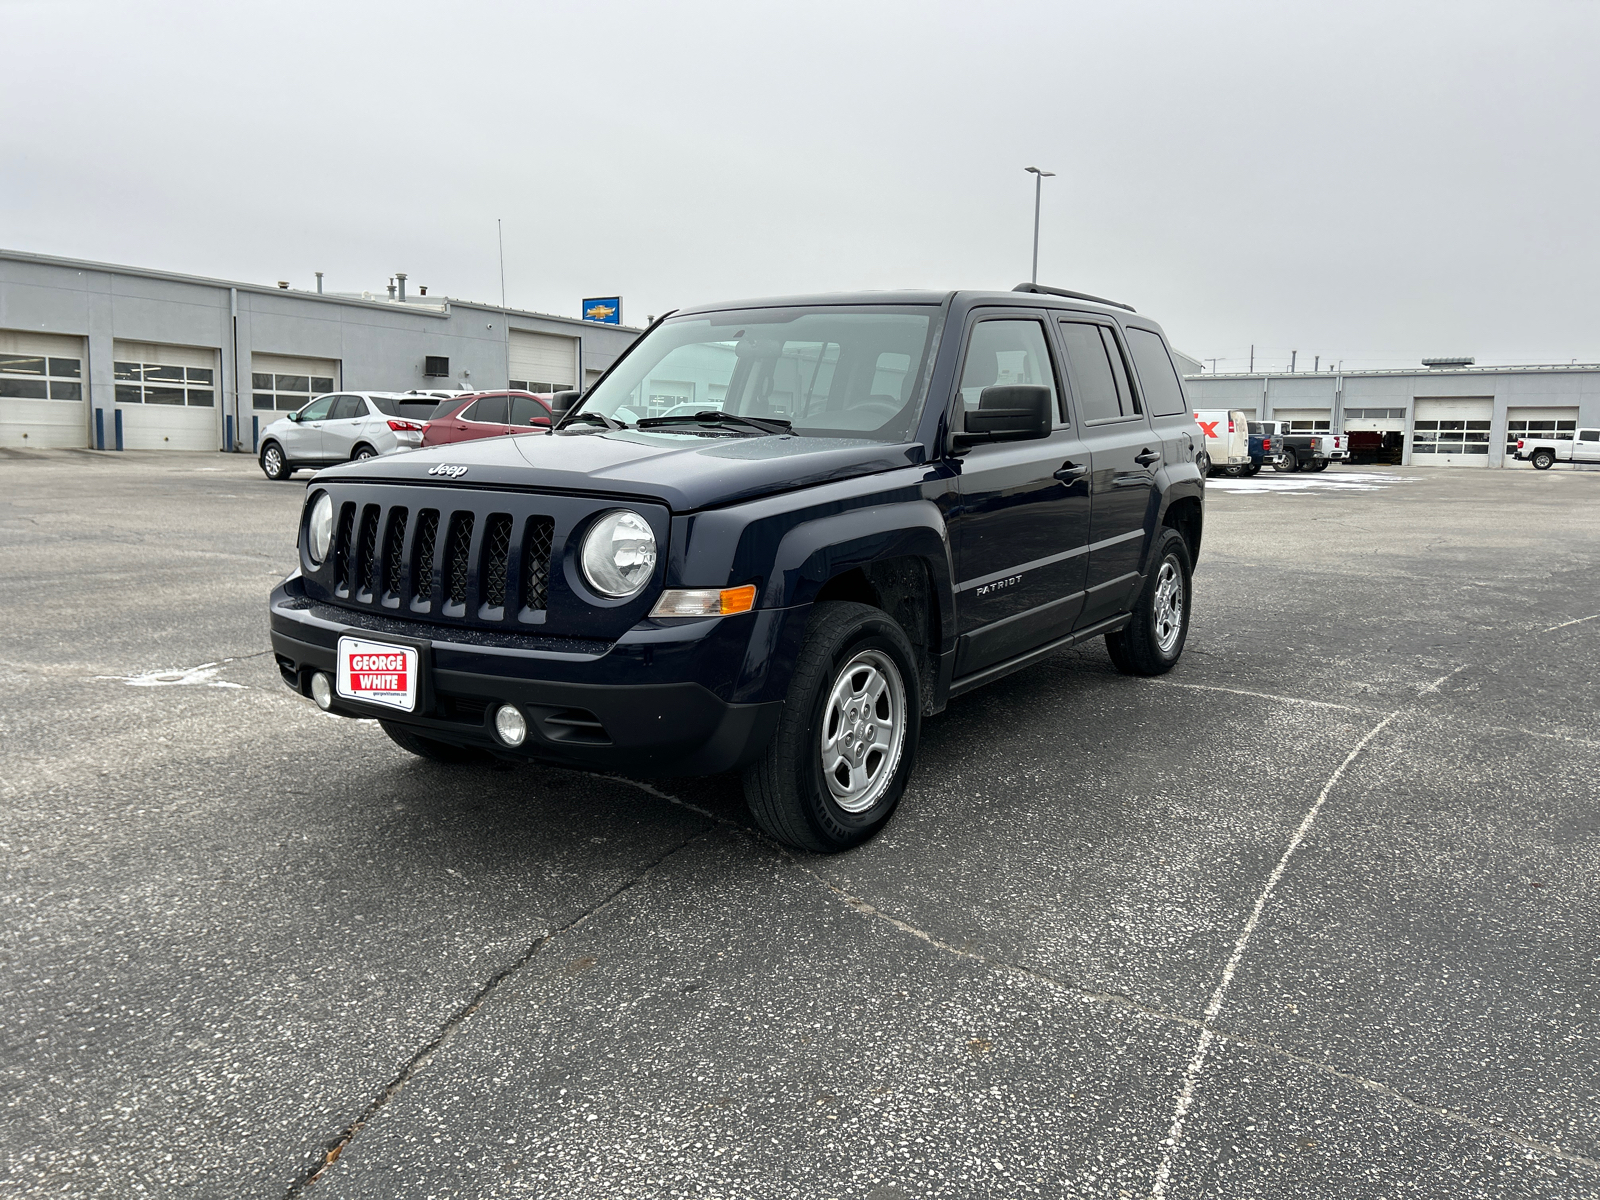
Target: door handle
[
  {"x": 1071, "y": 472},
  {"x": 1147, "y": 458}
]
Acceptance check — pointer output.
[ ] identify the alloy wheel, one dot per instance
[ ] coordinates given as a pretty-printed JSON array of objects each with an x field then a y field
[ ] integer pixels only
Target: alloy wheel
[{"x": 863, "y": 730}]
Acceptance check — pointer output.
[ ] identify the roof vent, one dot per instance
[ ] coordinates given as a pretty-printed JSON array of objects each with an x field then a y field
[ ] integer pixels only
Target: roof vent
[
  {"x": 1435, "y": 363},
  {"x": 1040, "y": 289},
  {"x": 284, "y": 284}
]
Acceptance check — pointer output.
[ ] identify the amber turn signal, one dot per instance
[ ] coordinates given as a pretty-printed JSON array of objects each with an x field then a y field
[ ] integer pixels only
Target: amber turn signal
[{"x": 705, "y": 602}]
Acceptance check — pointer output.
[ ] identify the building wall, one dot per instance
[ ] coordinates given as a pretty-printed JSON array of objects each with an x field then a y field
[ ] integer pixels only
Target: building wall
[
  {"x": 380, "y": 345},
  {"x": 1507, "y": 388}
]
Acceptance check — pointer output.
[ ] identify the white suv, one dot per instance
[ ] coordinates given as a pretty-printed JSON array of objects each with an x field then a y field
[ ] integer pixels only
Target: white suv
[{"x": 339, "y": 427}]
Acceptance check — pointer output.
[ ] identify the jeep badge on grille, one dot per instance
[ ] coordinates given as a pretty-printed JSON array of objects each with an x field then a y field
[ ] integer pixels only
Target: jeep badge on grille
[{"x": 447, "y": 469}]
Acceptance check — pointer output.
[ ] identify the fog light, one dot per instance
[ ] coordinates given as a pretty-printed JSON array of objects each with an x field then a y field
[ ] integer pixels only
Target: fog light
[
  {"x": 510, "y": 725},
  {"x": 322, "y": 690}
]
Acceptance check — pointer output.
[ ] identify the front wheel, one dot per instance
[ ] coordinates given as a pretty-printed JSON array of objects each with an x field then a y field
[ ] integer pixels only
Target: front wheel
[
  {"x": 1152, "y": 642},
  {"x": 1543, "y": 460},
  {"x": 843, "y": 751},
  {"x": 273, "y": 464}
]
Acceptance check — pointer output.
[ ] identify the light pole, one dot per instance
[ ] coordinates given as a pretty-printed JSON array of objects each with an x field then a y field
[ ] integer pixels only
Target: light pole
[{"x": 1038, "y": 188}]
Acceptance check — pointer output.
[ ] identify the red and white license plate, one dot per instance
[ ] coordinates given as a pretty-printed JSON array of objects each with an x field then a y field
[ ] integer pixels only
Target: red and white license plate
[{"x": 378, "y": 673}]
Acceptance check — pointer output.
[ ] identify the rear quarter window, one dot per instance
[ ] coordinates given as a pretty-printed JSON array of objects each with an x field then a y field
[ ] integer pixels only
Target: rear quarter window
[{"x": 1163, "y": 392}]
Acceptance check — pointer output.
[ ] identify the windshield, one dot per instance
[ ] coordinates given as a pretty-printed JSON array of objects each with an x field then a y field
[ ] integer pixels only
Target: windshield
[{"x": 841, "y": 372}]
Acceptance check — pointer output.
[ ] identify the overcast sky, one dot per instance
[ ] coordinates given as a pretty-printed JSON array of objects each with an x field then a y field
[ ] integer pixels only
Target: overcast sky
[{"x": 1370, "y": 183}]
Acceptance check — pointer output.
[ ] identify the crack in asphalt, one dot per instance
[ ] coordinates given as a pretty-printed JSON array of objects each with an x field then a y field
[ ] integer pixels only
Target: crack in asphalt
[{"x": 449, "y": 1029}]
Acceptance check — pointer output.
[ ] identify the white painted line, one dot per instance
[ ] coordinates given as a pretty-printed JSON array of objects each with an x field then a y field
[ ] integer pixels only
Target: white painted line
[
  {"x": 1211, "y": 687},
  {"x": 1564, "y": 624},
  {"x": 1301, "y": 482},
  {"x": 1191, "y": 1077}
]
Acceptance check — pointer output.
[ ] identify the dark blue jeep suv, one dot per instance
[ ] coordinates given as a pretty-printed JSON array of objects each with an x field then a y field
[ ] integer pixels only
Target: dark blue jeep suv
[{"x": 773, "y": 538}]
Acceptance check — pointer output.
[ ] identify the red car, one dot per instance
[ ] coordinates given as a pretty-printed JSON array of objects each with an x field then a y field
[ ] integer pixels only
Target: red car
[{"x": 486, "y": 414}]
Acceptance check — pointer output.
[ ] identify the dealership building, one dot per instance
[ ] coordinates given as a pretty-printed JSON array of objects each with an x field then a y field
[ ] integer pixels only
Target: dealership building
[
  {"x": 1447, "y": 413},
  {"x": 109, "y": 357}
]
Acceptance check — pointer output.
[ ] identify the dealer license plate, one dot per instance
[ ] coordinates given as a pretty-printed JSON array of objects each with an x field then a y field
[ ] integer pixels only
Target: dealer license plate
[{"x": 378, "y": 673}]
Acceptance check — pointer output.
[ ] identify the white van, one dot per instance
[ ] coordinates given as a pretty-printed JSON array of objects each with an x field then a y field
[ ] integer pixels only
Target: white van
[{"x": 1227, "y": 433}]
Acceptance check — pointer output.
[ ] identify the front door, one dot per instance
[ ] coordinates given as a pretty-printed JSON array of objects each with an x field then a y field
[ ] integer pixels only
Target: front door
[
  {"x": 1022, "y": 529},
  {"x": 1124, "y": 456},
  {"x": 343, "y": 428},
  {"x": 1586, "y": 446},
  {"x": 303, "y": 439}
]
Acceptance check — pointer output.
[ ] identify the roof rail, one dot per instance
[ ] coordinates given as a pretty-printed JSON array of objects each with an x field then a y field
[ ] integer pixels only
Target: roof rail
[{"x": 1040, "y": 289}]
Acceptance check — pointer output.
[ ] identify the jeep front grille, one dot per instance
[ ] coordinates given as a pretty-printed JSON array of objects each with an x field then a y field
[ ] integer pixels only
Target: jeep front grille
[{"x": 469, "y": 559}]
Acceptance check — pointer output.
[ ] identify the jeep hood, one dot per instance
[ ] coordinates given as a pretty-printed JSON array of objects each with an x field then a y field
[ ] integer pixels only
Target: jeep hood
[{"x": 684, "y": 471}]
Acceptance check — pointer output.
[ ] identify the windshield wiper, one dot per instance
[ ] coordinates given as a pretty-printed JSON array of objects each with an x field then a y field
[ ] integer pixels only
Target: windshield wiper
[
  {"x": 713, "y": 416},
  {"x": 584, "y": 414}
]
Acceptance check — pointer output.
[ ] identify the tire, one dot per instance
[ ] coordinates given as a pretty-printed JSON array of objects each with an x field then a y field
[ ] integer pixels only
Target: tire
[
  {"x": 793, "y": 793},
  {"x": 426, "y": 747},
  {"x": 273, "y": 464},
  {"x": 1152, "y": 642},
  {"x": 1203, "y": 461},
  {"x": 1320, "y": 465},
  {"x": 1543, "y": 460},
  {"x": 1253, "y": 469},
  {"x": 362, "y": 453},
  {"x": 1288, "y": 464}
]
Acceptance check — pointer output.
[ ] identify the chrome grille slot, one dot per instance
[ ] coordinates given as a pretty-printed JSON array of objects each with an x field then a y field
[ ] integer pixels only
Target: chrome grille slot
[
  {"x": 536, "y": 563},
  {"x": 422, "y": 564},
  {"x": 394, "y": 545},
  {"x": 492, "y": 568},
  {"x": 456, "y": 560},
  {"x": 341, "y": 549},
  {"x": 367, "y": 553}
]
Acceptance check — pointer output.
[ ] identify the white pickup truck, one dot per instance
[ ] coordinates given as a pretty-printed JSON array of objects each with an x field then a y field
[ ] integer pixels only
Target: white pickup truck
[
  {"x": 1227, "y": 434},
  {"x": 1544, "y": 453}
]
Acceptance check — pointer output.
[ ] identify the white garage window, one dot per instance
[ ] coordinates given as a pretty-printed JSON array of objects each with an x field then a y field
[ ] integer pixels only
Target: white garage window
[
  {"x": 40, "y": 377},
  {"x": 542, "y": 362},
  {"x": 1451, "y": 433},
  {"x": 279, "y": 383},
  {"x": 1552, "y": 424},
  {"x": 164, "y": 383}
]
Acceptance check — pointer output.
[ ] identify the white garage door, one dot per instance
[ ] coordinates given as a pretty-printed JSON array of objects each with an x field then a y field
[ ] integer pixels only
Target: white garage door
[
  {"x": 1305, "y": 420},
  {"x": 41, "y": 391},
  {"x": 168, "y": 396},
  {"x": 543, "y": 362},
  {"x": 1451, "y": 433},
  {"x": 1557, "y": 424}
]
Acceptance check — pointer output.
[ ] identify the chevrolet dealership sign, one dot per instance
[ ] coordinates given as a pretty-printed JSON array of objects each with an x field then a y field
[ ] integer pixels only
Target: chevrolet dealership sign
[{"x": 607, "y": 310}]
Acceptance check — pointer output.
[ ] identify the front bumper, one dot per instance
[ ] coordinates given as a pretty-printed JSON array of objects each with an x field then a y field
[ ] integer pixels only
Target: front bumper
[{"x": 668, "y": 698}]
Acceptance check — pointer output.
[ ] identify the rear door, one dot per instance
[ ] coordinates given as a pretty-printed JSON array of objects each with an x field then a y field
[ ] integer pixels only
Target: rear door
[
  {"x": 1022, "y": 528},
  {"x": 1124, "y": 456}
]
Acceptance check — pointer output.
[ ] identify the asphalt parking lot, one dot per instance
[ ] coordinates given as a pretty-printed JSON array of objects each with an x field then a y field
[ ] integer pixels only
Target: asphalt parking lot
[{"x": 1314, "y": 915}]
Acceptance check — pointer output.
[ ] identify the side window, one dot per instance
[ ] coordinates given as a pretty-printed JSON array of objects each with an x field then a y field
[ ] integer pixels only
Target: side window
[
  {"x": 1119, "y": 372},
  {"x": 525, "y": 411},
  {"x": 317, "y": 410},
  {"x": 491, "y": 410},
  {"x": 346, "y": 408},
  {"x": 1163, "y": 391},
  {"x": 1092, "y": 379},
  {"x": 1589, "y": 435},
  {"x": 1005, "y": 351}
]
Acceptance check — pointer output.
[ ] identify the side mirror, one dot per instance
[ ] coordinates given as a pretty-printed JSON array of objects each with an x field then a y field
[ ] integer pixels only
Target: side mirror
[
  {"x": 1009, "y": 413},
  {"x": 563, "y": 401},
  {"x": 295, "y": 417}
]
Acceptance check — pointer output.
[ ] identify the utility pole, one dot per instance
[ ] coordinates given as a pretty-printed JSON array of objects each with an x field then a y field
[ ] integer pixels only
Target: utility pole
[{"x": 1038, "y": 193}]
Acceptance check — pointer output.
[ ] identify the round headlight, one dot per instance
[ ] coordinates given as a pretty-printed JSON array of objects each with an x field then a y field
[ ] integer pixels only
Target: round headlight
[
  {"x": 619, "y": 554},
  {"x": 319, "y": 529}
]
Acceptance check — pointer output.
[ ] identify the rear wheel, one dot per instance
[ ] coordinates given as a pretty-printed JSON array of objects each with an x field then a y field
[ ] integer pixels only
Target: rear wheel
[
  {"x": 363, "y": 452},
  {"x": 1543, "y": 460},
  {"x": 1253, "y": 469},
  {"x": 1289, "y": 463},
  {"x": 1320, "y": 465},
  {"x": 839, "y": 761},
  {"x": 427, "y": 747},
  {"x": 273, "y": 464},
  {"x": 1152, "y": 642}
]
